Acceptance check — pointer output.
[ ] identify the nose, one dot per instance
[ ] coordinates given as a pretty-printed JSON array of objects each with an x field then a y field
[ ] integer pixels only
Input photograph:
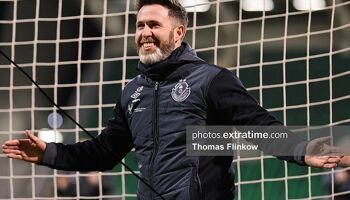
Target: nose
[{"x": 147, "y": 31}]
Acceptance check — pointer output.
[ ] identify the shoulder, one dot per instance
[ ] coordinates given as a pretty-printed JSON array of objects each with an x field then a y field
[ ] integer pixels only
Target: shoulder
[
  {"x": 219, "y": 75},
  {"x": 204, "y": 70},
  {"x": 218, "y": 71},
  {"x": 210, "y": 67},
  {"x": 215, "y": 78}
]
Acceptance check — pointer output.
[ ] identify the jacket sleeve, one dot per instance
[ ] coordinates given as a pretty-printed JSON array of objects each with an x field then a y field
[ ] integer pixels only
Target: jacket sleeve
[
  {"x": 98, "y": 154},
  {"x": 229, "y": 103}
]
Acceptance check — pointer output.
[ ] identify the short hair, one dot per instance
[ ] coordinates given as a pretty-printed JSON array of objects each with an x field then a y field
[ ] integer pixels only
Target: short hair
[{"x": 176, "y": 10}]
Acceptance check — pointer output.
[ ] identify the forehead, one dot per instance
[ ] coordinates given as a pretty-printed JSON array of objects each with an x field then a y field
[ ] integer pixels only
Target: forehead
[{"x": 153, "y": 12}]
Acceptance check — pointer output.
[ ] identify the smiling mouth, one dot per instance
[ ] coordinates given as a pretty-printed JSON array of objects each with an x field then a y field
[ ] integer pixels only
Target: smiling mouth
[{"x": 147, "y": 46}]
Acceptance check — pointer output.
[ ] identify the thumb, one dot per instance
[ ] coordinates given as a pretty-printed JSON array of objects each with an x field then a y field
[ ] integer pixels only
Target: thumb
[
  {"x": 35, "y": 139},
  {"x": 323, "y": 140},
  {"x": 318, "y": 146},
  {"x": 31, "y": 136}
]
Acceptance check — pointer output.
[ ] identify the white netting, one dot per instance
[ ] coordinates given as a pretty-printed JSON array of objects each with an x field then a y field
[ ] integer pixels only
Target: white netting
[{"x": 296, "y": 63}]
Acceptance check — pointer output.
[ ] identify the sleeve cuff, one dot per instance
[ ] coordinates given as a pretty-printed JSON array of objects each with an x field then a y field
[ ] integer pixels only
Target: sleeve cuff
[
  {"x": 50, "y": 154},
  {"x": 299, "y": 153}
]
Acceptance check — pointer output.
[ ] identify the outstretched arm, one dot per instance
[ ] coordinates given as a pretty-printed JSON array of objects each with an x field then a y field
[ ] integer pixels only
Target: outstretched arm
[
  {"x": 97, "y": 154},
  {"x": 30, "y": 149},
  {"x": 231, "y": 104}
]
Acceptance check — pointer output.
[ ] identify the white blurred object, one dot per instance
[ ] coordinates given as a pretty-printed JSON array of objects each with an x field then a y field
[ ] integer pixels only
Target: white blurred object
[
  {"x": 257, "y": 5},
  {"x": 195, "y": 5},
  {"x": 50, "y": 135},
  {"x": 309, "y": 4}
]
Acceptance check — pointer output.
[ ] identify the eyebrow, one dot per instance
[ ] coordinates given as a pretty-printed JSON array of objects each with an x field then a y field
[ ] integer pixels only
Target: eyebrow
[{"x": 148, "y": 22}]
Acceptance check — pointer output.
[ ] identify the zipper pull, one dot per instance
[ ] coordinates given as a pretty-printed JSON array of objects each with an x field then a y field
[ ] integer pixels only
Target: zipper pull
[{"x": 156, "y": 86}]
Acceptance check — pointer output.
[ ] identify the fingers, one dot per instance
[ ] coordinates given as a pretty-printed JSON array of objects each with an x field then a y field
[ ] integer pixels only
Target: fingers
[
  {"x": 323, "y": 161},
  {"x": 15, "y": 156},
  {"x": 333, "y": 159},
  {"x": 20, "y": 155},
  {"x": 12, "y": 151},
  {"x": 10, "y": 147},
  {"x": 17, "y": 142},
  {"x": 330, "y": 165},
  {"x": 11, "y": 143},
  {"x": 30, "y": 149}
]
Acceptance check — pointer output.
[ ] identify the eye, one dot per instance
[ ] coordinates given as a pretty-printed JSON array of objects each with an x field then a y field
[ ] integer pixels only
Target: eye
[
  {"x": 155, "y": 26},
  {"x": 140, "y": 26}
]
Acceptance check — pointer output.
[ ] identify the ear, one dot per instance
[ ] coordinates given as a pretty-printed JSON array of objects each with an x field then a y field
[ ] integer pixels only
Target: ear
[{"x": 179, "y": 33}]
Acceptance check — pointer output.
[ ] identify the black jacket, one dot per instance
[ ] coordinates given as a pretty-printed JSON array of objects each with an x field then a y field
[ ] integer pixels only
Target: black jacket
[{"x": 151, "y": 116}]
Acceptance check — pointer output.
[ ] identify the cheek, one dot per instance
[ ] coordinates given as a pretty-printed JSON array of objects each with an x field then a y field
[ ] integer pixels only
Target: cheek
[
  {"x": 137, "y": 37},
  {"x": 161, "y": 37}
]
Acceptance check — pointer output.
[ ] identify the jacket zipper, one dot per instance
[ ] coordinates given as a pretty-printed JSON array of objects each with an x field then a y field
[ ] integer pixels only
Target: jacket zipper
[
  {"x": 155, "y": 134},
  {"x": 200, "y": 186}
]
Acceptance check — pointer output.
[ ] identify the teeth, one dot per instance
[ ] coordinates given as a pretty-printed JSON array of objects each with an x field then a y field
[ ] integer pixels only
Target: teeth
[{"x": 146, "y": 45}]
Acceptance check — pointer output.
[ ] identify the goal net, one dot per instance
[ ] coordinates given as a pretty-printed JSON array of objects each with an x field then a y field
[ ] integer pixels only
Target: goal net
[{"x": 292, "y": 56}]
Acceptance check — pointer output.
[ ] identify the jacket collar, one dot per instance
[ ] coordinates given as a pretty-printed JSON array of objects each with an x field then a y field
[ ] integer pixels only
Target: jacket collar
[{"x": 161, "y": 70}]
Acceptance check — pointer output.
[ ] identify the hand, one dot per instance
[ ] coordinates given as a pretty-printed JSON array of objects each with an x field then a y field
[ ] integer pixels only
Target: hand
[
  {"x": 30, "y": 149},
  {"x": 320, "y": 154}
]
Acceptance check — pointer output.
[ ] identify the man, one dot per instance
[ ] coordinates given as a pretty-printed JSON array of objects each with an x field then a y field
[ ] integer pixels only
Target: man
[{"x": 175, "y": 89}]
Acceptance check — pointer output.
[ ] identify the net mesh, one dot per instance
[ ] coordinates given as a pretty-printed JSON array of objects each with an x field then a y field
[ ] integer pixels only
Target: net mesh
[{"x": 81, "y": 52}]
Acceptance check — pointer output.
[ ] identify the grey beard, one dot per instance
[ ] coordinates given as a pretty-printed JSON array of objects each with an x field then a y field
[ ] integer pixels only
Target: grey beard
[
  {"x": 160, "y": 53},
  {"x": 152, "y": 58}
]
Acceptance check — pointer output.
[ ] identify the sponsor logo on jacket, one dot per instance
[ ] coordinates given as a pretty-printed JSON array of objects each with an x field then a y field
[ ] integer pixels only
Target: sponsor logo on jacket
[{"x": 135, "y": 100}]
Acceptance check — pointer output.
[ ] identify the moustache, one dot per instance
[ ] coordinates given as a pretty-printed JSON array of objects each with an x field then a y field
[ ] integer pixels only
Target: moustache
[{"x": 148, "y": 40}]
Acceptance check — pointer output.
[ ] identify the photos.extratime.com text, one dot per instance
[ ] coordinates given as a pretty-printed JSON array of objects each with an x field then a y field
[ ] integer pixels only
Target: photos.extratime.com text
[
  {"x": 225, "y": 140},
  {"x": 238, "y": 135},
  {"x": 245, "y": 141}
]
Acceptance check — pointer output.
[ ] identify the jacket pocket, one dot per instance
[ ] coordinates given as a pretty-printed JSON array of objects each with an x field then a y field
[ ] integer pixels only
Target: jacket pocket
[{"x": 195, "y": 185}]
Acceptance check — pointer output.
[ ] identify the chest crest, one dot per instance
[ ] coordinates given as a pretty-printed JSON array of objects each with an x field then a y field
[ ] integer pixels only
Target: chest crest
[{"x": 181, "y": 91}]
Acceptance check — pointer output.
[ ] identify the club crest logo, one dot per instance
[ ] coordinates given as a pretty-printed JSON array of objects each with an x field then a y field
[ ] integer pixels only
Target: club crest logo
[{"x": 181, "y": 91}]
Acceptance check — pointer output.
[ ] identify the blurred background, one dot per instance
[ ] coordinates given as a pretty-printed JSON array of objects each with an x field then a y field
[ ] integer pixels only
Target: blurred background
[{"x": 292, "y": 55}]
